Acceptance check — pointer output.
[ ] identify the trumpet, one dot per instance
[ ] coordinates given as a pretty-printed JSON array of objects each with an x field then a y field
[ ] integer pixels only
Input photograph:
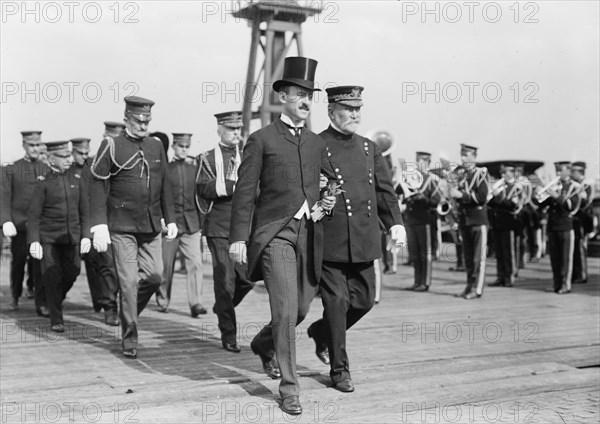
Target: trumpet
[{"x": 542, "y": 193}]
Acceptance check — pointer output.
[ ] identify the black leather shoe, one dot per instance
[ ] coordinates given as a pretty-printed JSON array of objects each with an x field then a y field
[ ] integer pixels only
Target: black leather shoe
[
  {"x": 291, "y": 405},
  {"x": 232, "y": 347},
  {"x": 563, "y": 291},
  {"x": 345, "y": 386},
  {"x": 198, "y": 309},
  {"x": 111, "y": 318},
  {"x": 29, "y": 294},
  {"x": 497, "y": 284},
  {"x": 270, "y": 366},
  {"x": 580, "y": 281},
  {"x": 472, "y": 295},
  {"x": 42, "y": 311},
  {"x": 509, "y": 284},
  {"x": 421, "y": 288},
  {"x": 320, "y": 348},
  {"x": 58, "y": 328},
  {"x": 130, "y": 353}
]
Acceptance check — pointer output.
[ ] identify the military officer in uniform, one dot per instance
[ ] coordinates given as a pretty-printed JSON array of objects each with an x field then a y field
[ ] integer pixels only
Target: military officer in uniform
[
  {"x": 58, "y": 227},
  {"x": 583, "y": 223},
  {"x": 472, "y": 197},
  {"x": 504, "y": 207},
  {"x": 182, "y": 177},
  {"x": 18, "y": 183},
  {"x": 420, "y": 202},
  {"x": 216, "y": 182},
  {"x": 284, "y": 245},
  {"x": 130, "y": 193},
  {"x": 351, "y": 233}
]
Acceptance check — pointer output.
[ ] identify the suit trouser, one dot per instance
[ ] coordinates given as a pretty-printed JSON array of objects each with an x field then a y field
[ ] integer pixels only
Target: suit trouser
[
  {"x": 561, "y": 245},
  {"x": 475, "y": 247},
  {"x": 19, "y": 250},
  {"x": 506, "y": 264},
  {"x": 348, "y": 293},
  {"x": 230, "y": 285},
  {"x": 290, "y": 281},
  {"x": 579, "y": 254},
  {"x": 139, "y": 266},
  {"x": 420, "y": 250},
  {"x": 60, "y": 265},
  {"x": 102, "y": 279},
  {"x": 189, "y": 245}
]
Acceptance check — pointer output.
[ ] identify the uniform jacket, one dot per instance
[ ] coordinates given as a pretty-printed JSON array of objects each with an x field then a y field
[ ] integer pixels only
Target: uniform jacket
[
  {"x": 473, "y": 204},
  {"x": 18, "y": 182},
  {"x": 59, "y": 210},
  {"x": 502, "y": 210},
  {"x": 217, "y": 221},
  {"x": 352, "y": 231},
  {"x": 182, "y": 178},
  {"x": 277, "y": 174},
  {"x": 132, "y": 200},
  {"x": 584, "y": 218},
  {"x": 419, "y": 206},
  {"x": 559, "y": 209}
]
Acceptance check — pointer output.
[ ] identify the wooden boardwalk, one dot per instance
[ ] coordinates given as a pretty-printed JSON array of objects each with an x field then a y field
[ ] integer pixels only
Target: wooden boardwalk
[{"x": 517, "y": 355}]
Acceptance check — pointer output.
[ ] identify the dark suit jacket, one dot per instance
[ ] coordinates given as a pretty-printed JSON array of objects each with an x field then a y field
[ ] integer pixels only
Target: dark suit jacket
[
  {"x": 182, "y": 178},
  {"x": 276, "y": 175},
  {"x": 128, "y": 201},
  {"x": 352, "y": 232}
]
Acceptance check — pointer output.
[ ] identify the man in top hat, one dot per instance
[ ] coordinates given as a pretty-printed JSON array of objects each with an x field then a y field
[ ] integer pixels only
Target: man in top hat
[
  {"x": 562, "y": 200},
  {"x": 18, "y": 183},
  {"x": 504, "y": 206},
  {"x": 351, "y": 233},
  {"x": 583, "y": 223},
  {"x": 216, "y": 182},
  {"x": 130, "y": 193},
  {"x": 420, "y": 202},
  {"x": 274, "y": 226},
  {"x": 182, "y": 177},
  {"x": 58, "y": 227},
  {"x": 472, "y": 197}
]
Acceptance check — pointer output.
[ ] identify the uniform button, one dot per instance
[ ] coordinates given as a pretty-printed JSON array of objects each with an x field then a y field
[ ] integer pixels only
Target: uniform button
[
  {"x": 370, "y": 181},
  {"x": 337, "y": 169},
  {"x": 368, "y": 208},
  {"x": 369, "y": 202},
  {"x": 347, "y": 200},
  {"x": 341, "y": 181},
  {"x": 349, "y": 213},
  {"x": 340, "y": 177},
  {"x": 369, "y": 214},
  {"x": 349, "y": 207},
  {"x": 328, "y": 154}
]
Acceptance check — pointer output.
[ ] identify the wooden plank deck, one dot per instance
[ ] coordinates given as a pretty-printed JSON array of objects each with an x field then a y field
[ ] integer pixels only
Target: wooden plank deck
[{"x": 516, "y": 355}]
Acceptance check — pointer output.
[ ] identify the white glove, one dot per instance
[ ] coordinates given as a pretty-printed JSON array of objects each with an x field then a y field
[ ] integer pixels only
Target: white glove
[
  {"x": 84, "y": 246},
  {"x": 398, "y": 235},
  {"x": 237, "y": 252},
  {"x": 101, "y": 237},
  {"x": 171, "y": 231},
  {"x": 36, "y": 251},
  {"x": 9, "y": 229},
  {"x": 163, "y": 225}
]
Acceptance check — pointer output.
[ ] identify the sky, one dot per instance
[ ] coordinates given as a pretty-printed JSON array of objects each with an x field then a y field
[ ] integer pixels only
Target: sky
[{"x": 520, "y": 80}]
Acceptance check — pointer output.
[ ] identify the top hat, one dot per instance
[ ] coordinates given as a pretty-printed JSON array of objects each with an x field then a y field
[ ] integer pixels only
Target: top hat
[{"x": 298, "y": 71}]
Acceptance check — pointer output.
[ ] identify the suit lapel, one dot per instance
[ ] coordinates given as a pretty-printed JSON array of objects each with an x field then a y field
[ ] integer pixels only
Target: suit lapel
[{"x": 283, "y": 129}]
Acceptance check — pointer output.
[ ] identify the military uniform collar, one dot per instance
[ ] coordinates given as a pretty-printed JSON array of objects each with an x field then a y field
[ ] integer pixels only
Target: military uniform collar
[
  {"x": 131, "y": 136},
  {"x": 339, "y": 134}
]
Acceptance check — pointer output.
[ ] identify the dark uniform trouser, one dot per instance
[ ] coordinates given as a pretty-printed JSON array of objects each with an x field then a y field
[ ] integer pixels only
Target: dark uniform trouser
[
  {"x": 230, "y": 285},
  {"x": 561, "y": 245},
  {"x": 289, "y": 279},
  {"x": 506, "y": 264},
  {"x": 60, "y": 267},
  {"x": 139, "y": 266},
  {"x": 579, "y": 254},
  {"x": 348, "y": 293},
  {"x": 419, "y": 240},
  {"x": 102, "y": 279},
  {"x": 475, "y": 245},
  {"x": 19, "y": 249}
]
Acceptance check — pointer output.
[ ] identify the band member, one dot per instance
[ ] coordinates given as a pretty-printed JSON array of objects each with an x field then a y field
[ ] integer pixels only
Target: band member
[
  {"x": 583, "y": 223},
  {"x": 129, "y": 195},
  {"x": 182, "y": 176},
  {"x": 504, "y": 205},
  {"x": 420, "y": 200},
  {"x": 18, "y": 183},
  {"x": 217, "y": 179},
  {"x": 58, "y": 227},
  {"x": 284, "y": 245},
  {"x": 351, "y": 233},
  {"x": 471, "y": 197}
]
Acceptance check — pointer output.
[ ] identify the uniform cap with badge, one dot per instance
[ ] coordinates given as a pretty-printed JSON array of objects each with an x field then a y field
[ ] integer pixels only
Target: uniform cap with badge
[
  {"x": 32, "y": 137},
  {"x": 230, "y": 119},
  {"x": 139, "y": 107},
  {"x": 349, "y": 95},
  {"x": 113, "y": 128},
  {"x": 62, "y": 148},
  {"x": 81, "y": 144},
  {"x": 468, "y": 148}
]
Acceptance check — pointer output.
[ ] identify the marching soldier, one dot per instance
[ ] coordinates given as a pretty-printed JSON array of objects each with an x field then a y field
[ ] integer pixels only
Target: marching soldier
[
  {"x": 562, "y": 198},
  {"x": 58, "y": 227},
  {"x": 472, "y": 197},
  {"x": 583, "y": 223},
  {"x": 99, "y": 266},
  {"x": 503, "y": 206},
  {"x": 217, "y": 179},
  {"x": 420, "y": 201},
  {"x": 129, "y": 195},
  {"x": 182, "y": 176},
  {"x": 351, "y": 233},
  {"x": 18, "y": 184}
]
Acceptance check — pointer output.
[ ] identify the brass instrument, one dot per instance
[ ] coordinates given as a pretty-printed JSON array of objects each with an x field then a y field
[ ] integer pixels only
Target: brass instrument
[
  {"x": 542, "y": 193},
  {"x": 411, "y": 183}
]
